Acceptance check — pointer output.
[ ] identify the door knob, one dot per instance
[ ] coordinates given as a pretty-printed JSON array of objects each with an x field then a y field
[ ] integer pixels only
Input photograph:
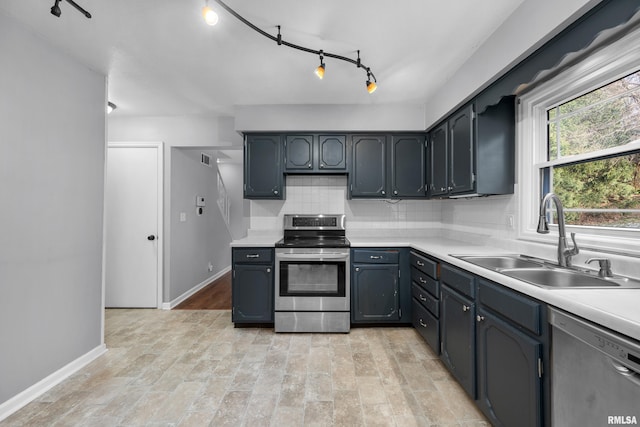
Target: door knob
[{"x": 151, "y": 237}]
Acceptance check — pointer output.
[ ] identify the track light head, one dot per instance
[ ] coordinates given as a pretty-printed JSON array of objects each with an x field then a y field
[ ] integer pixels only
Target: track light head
[
  {"x": 320, "y": 70},
  {"x": 371, "y": 85},
  {"x": 55, "y": 9},
  {"x": 209, "y": 15}
]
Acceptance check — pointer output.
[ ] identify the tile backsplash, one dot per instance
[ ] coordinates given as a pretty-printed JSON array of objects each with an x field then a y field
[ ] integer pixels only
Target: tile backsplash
[{"x": 312, "y": 194}]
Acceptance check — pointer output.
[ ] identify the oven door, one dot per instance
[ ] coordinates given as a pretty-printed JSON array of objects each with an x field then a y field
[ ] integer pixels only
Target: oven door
[{"x": 312, "y": 279}]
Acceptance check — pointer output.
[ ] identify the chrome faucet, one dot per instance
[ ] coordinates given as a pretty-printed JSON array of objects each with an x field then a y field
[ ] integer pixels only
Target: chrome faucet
[{"x": 564, "y": 252}]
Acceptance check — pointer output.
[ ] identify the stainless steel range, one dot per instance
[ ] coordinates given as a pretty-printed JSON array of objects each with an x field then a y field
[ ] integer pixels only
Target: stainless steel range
[{"x": 312, "y": 283}]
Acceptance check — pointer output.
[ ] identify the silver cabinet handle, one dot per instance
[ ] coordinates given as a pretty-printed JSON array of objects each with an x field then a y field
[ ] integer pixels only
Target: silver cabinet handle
[
  {"x": 321, "y": 165},
  {"x": 275, "y": 192},
  {"x": 395, "y": 191},
  {"x": 420, "y": 263},
  {"x": 268, "y": 270},
  {"x": 375, "y": 257},
  {"x": 357, "y": 268},
  {"x": 383, "y": 192},
  {"x": 479, "y": 318},
  {"x": 309, "y": 164},
  {"x": 422, "y": 280},
  {"x": 424, "y": 325},
  {"x": 422, "y": 298},
  {"x": 465, "y": 307},
  {"x": 253, "y": 255}
]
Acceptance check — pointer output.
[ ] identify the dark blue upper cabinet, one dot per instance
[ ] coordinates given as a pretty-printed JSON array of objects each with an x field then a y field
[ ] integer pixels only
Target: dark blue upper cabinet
[
  {"x": 438, "y": 182},
  {"x": 299, "y": 150},
  {"x": 263, "y": 178},
  {"x": 368, "y": 177},
  {"x": 461, "y": 151},
  {"x": 315, "y": 153},
  {"x": 408, "y": 173},
  {"x": 332, "y": 153},
  {"x": 473, "y": 154}
]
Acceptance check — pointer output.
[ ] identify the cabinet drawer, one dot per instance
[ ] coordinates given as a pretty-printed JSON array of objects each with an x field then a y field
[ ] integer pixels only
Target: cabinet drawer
[
  {"x": 457, "y": 279},
  {"x": 379, "y": 256},
  {"x": 426, "y": 325},
  {"x": 427, "y": 266},
  {"x": 432, "y": 286},
  {"x": 516, "y": 308},
  {"x": 253, "y": 255},
  {"x": 426, "y": 299}
]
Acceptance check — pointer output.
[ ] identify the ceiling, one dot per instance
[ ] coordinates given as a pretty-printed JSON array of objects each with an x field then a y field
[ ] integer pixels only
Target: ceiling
[{"x": 162, "y": 59}]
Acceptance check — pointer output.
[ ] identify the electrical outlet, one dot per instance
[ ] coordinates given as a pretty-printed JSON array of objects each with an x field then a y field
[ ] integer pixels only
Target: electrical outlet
[
  {"x": 511, "y": 222},
  {"x": 183, "y": 217},
  {"x": 210, "y": 267}
]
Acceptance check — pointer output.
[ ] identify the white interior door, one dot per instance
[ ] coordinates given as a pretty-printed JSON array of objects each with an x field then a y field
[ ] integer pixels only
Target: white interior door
[{"x": 133, "y": 219}]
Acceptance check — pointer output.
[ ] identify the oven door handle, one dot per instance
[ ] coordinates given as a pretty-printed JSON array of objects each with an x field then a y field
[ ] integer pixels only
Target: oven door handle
[{"x": 311, "y": 257}]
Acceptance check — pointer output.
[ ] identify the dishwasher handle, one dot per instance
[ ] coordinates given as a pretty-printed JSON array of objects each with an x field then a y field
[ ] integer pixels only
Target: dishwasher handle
[{"x": 626, "y": 372}]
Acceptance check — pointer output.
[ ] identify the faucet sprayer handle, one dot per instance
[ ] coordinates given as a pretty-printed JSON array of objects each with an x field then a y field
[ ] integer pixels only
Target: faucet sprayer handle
[{"x": 575, "y": 250}]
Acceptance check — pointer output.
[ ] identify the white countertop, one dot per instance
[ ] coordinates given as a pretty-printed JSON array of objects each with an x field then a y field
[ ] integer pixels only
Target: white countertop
[{"x": 616, "y": 309}]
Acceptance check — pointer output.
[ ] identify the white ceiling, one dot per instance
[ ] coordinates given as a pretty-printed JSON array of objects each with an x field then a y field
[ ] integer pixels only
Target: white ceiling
[{"x": 162, "y": 59}]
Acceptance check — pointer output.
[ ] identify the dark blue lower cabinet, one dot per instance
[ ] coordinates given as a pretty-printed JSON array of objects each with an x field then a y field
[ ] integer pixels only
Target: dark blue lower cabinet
[
  {"x": 426, "y": 324},
  {"x": 509, "y": 373},
  {"x": 458, "y": 344},
  {"x": 375, "y": 293},
  {"x": 252, "y": 293}
]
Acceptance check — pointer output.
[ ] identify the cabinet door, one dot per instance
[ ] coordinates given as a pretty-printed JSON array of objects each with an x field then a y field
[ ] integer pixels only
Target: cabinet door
[
  {"x": 461, "y": 151},
  {"x": 457, "y": 324},
  {"x": 374, "y": 296},
  {"x": 252, "y": 293},
  {"x": 439, "y": 161},
  {"x": 369, "y": 172},
  {"x": 407, "y": 166},
  {"x": 263, "y": 178},
  {"x": 332, "y": 152},
  {"x": 509, "y": 384},
  {"x": 298, "y": 153}
]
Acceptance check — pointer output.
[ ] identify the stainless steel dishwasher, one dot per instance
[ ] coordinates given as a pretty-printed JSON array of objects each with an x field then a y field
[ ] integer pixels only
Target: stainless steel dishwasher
[{"x": 595, "y": 378}]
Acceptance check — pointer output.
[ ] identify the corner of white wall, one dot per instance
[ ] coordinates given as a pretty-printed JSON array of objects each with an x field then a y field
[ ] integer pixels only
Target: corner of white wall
[{"x": 531, "y": 25}]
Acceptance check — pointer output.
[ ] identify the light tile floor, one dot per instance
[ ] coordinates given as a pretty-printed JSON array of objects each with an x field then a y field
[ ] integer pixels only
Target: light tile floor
[{"x": 193, "y": 368}]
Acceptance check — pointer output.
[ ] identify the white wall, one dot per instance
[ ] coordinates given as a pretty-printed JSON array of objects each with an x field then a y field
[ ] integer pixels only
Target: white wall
[
  {"x": 529, "y": 27},
  {"x": 239, "y": 208},
  {"x": 329, "y": 117},
  {"x": 199, "y": 240},
  {"x": 52, "y": 148}
]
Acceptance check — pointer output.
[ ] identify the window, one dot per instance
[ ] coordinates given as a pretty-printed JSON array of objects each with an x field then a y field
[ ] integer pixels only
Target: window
[
  {"x": 579, "y": 137},
  {"x": 589, "y": 164}
]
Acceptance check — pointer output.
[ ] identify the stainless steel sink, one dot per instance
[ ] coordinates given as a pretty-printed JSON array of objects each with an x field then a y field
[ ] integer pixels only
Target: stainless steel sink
[
  {"x": 558, "y": 278},
  {"x": 501, "y": 261},
  {"x": 547, "y": 274}
]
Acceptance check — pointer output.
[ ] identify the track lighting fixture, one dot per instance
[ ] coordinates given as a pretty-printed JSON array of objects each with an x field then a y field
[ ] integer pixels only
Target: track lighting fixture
[
  {"x": 55, "y": 9},
  {"x": 209, "y": 15},
  {"x": 371, "y": 84},
  {"x": 320, "y": 69},
  {"x": 110, "y": 107}
]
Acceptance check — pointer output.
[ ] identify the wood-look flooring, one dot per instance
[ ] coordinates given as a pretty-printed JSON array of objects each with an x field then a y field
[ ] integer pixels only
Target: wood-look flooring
[{"x": 215, "y": 296}]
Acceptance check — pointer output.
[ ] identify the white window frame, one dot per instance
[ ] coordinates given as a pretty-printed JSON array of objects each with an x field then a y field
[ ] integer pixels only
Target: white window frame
[{"x": 605, "y": 65}]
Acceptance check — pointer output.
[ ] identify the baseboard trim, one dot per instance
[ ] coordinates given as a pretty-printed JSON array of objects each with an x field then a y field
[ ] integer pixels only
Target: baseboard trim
[
  {"x": 23, "y": 398},
  {"x": 171, "y": 304}
]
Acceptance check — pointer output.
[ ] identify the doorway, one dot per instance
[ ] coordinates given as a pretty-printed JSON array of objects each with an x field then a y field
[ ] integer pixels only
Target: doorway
[{"x": 133, "y": 197}]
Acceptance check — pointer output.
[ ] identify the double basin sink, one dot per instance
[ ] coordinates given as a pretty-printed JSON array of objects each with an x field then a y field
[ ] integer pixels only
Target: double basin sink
[{"x": 546, "y": 274}]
